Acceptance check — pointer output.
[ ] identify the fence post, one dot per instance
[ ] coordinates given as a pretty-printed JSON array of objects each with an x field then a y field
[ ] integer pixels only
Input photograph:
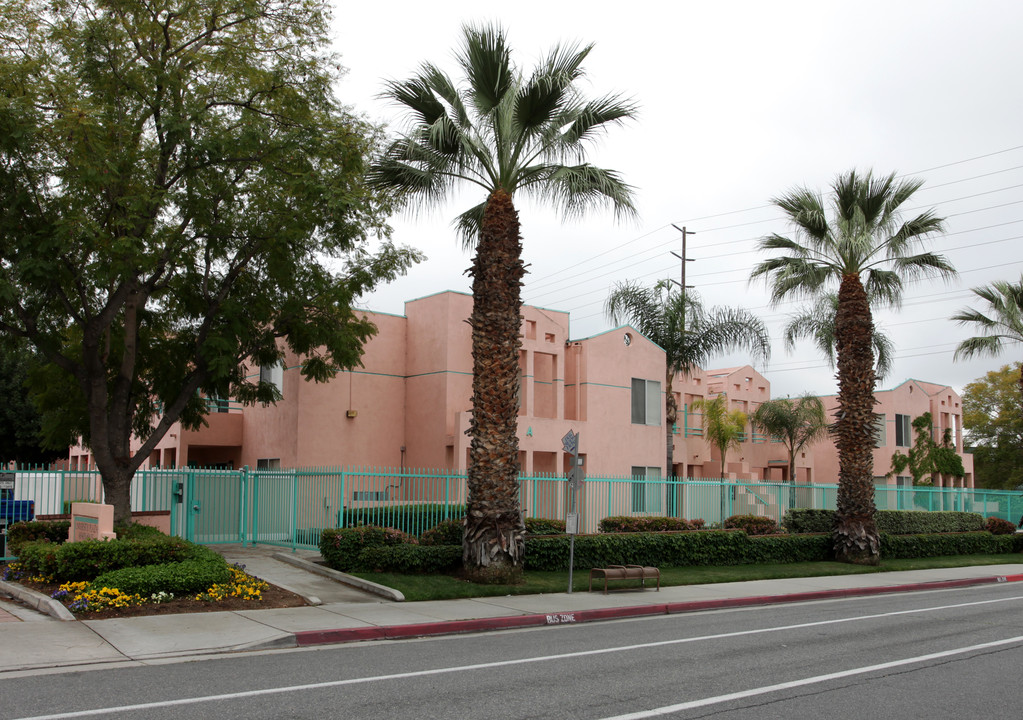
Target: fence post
[
  {"x": 243, "y": 501},
  {"x": 254, "y": 534},
  {"x": 294, "y": 509}
]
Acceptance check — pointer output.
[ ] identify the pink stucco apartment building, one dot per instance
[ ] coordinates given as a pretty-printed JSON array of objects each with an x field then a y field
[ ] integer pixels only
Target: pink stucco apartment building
[{"x": 408, "y": 407}]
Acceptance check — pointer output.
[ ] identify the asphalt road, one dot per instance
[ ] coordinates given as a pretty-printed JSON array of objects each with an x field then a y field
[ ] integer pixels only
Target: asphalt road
[{"x": 943, "y": 654}]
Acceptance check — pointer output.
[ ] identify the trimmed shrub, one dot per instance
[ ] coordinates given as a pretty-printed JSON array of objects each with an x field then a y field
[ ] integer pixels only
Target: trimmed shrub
[
  {"x": 752, "y": 524},
  {"x": 340, "y": 547},
  {"x": 415, "y": 518},
  {"x": 997, "y": 526},
  {"x": 625, "y": 524},
  {"x": 544, "y": 526},
  {"x": 409, "y": 559},
  {"x": 893, "y": 522},
  {"x": 85, "y": 560},
  {"x": 446, "y": 532},
  {"x": 138, "y": 531},
  {"x": 19, "y": 533},
  {"x": 939, "y": 544},
  {"x": 808, "y": 520},
  {"x": 181, "y": 578},
  {"x": 713, "y": 547}
]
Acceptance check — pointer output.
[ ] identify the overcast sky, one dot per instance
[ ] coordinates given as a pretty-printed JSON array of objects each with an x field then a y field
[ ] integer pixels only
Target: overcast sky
[{"x": 739, "y": 102}]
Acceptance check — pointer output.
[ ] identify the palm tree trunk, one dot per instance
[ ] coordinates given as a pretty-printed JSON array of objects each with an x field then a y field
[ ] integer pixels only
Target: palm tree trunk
[
  {"x": 855, "y": 534},
  {"x": 494, "y": 532}
]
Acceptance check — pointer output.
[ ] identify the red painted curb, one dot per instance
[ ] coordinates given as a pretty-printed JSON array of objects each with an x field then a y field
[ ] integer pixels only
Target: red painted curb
[{"x": 451, "y": 627}]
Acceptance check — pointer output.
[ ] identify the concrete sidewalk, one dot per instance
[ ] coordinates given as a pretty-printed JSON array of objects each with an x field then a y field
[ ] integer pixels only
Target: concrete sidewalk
[{"x": 55, "y": 644}]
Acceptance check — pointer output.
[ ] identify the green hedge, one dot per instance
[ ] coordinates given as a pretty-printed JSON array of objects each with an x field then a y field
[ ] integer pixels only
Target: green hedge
[
  {"x": 449, "y": 532},
  {"x": 893, "y": 522},
  {"x": 20, "y": 533},
  {"x": 409, "y": 559},
  {"x": 181, "y": 578},
  {"x": 629, "y": 524},
  {"x": 941, "y": 544},
  {"x": 752, "y": 524},
  {"x": 89, "y": 559},
  {"x": 712, "y": 547},
  {"x": 416, "y": 518},
  {"x": 340, "y": 547}
]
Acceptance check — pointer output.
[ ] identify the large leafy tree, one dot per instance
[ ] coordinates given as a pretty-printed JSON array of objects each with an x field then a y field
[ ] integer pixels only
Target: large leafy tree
[
  {"x": 689, "y": 334},
  {"x": 180, "y": 190},
  {"x": 797, "y": 423},
  {"x": 868, "y": 251},
  {"x": 20, "y": 420},
  {"x": 1001, "y": 323},
  {"x": 994, "y": 427},
  {"x": 504, "y": 132}
]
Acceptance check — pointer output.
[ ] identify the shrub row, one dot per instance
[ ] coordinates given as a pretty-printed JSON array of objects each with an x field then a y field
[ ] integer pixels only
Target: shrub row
[
  {"x": 89, "y": 559},
  {"x": 893, "y": 522},
  {"x": 752, "y": 524},
  {"x": 409, "y": 559},
  {"x": 625, "y": 524},
  {"x": 940, "y": 544},
  {"x": 20, "y": 533},
  {"x": 398, "y": 516},
  {"x": 712, "y": 547},
  {"x": 340, "y": 547},
  {"x": 181, "y": 578}
]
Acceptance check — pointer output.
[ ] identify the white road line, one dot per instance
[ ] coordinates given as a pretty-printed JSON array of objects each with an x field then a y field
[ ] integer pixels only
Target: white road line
[
  {"x": 545, "y": 658},
  {"x": 668, "y": 709}
]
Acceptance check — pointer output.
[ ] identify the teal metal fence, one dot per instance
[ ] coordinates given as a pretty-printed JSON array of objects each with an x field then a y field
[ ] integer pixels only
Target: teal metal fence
[{"x": 290, "y": 508}]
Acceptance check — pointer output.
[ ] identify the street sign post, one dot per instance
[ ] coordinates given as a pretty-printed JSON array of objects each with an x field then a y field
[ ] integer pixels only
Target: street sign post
[{"x": 570, "y": 444}]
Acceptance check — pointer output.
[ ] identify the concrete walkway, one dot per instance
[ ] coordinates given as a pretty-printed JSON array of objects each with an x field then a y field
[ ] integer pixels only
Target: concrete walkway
[{"x": 361, "y": 615}]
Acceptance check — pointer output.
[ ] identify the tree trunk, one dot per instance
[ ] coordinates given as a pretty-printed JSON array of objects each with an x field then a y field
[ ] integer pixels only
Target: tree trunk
[
  {"x": 855, "y": 534},
  {"x": 494, "y": 540}
]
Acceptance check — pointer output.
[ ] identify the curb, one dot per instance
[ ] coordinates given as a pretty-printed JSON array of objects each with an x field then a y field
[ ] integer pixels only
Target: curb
[
  {"x": 343, "y": 578},
  {"x": 40, "y": 602},
  {"x": 452, "y": 627}
]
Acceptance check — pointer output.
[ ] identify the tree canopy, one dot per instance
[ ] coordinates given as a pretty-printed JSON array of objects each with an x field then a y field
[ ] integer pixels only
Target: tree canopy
[
  {"x": 180, "y": 191},
  {"x": 994, "y": 427},
  {"x": 20, "y": 419}
]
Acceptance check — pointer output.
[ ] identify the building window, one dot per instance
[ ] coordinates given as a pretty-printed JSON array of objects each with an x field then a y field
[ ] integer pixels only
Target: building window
[
  {"x": 273, "y": 374},
  {"x": 646, "y": 490},
  {"x": 880, "y": 434},
  {"x": 646, "y": 402},
  {"x": 268, "y": 464},
  {"x": 902, "y": 435}
]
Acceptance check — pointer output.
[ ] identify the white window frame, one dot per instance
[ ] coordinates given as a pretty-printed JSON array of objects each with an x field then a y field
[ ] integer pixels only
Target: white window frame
[
  {"x": 904, "y": 427},
  {"x": 646, "y": 495}
]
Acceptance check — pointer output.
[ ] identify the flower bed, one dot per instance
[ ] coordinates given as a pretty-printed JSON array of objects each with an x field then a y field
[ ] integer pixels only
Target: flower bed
[{"x": 91, "y": 602}]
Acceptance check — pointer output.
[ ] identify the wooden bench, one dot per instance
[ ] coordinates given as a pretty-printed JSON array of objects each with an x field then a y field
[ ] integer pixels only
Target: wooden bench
[{"x": 626, "y": 572}]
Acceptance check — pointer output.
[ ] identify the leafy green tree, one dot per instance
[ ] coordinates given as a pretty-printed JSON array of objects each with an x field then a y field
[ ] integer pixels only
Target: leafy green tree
[
  {"x": 867, "y": 250},
  {"x": 180, "y": 192},
  {"x": 817, "y": 323},
  {"x": 20, "y": 420},
  {"x": 1001, "y": 325},
  {"x": 928, "y": 457},
  {"x": 503, "y": 132},
  {"x": 689, "y": 334},
  {"x": 994, "y": 427},
  {"x": 798, "y": 423}
]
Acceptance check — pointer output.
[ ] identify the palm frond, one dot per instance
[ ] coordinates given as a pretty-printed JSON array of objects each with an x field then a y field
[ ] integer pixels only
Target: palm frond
[{"x": 486, "y": 60}]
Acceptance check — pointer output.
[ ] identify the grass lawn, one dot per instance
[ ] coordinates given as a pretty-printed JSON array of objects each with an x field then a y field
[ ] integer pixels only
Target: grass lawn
[{"x": 446, "y": 587}]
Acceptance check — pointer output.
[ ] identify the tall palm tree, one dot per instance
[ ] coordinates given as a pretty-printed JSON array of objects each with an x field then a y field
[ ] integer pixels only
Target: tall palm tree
[
  {"x": 817, "y": 323},
  {"x": 797, "y": 423},
  {"x": 1003, "y": 323},
  {"x": 503, "y": 132},
  {"x": 689, "y": 334},
  {"x": 867, "y": 250}
]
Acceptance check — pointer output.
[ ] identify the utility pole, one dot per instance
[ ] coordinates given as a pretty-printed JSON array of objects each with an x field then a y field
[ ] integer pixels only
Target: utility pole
[
  {"x": 683, "y": 257},
  {"x": 670, "y": 442}
]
